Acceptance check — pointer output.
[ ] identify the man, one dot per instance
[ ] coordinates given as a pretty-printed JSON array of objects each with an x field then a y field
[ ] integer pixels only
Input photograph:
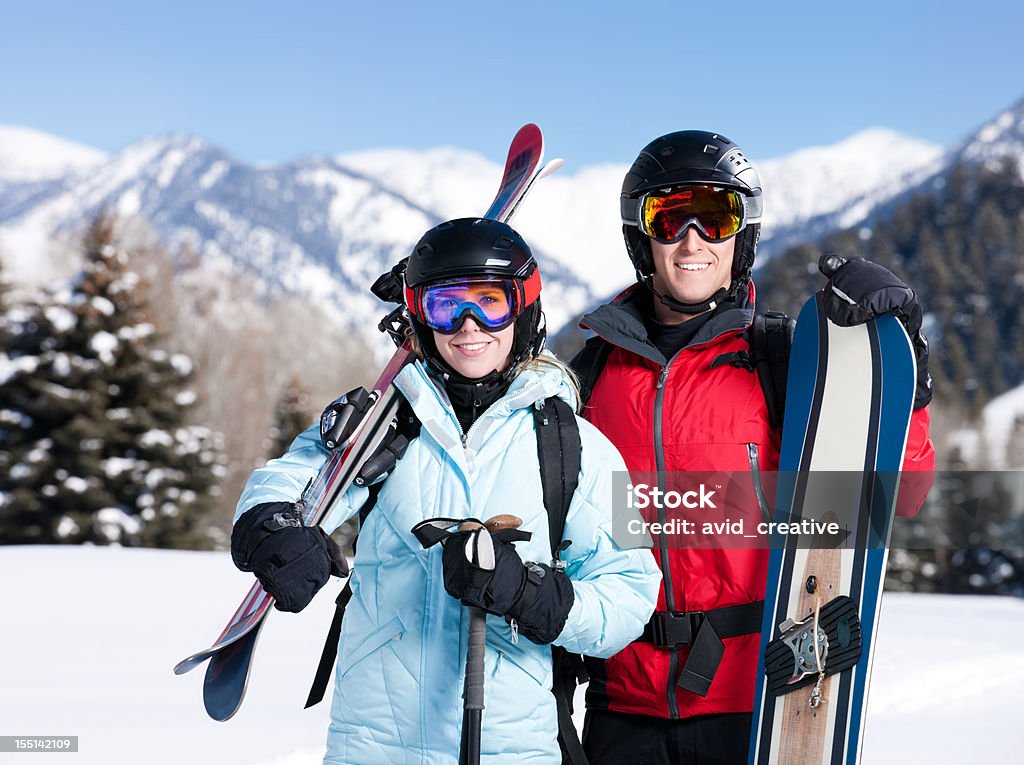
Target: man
[{"x": 671, "y": 382}]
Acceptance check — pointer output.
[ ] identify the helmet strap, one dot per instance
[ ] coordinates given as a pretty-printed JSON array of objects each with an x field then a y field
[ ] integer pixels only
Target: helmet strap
[{"x": 691, "y": 309}]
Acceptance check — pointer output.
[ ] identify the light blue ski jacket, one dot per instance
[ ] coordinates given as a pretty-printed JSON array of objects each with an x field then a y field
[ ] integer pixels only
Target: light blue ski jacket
[{"x": 401, "y": 659}]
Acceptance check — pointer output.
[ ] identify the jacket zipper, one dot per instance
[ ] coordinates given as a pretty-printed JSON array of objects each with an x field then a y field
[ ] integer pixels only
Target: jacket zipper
[
  {"x": 755, "y": 474},
  {"x": 666, "y": 570}
]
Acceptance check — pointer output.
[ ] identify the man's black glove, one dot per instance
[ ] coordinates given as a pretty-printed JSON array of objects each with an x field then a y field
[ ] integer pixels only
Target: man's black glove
[
  {"x": 291, "y": 561},
  {"x": 859, "y": 290},
  {"x": 535, "y": 595}
]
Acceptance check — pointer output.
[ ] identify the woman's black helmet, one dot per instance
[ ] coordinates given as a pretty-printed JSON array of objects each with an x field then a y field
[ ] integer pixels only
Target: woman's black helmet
[{"x": 476, "y": 247}]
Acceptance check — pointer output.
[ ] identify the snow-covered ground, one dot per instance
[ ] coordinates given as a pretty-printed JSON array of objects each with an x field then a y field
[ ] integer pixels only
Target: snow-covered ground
[{"x": 89, "y": 636}]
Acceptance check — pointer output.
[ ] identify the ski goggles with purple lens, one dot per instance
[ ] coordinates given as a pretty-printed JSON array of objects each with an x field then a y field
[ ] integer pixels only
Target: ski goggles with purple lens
[
  {"x": 717, "y": 213},
  {"x": 493, "y": 302}
]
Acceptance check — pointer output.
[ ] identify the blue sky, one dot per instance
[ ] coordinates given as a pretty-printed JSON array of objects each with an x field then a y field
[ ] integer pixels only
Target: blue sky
[{"x": 273, "y": 81}]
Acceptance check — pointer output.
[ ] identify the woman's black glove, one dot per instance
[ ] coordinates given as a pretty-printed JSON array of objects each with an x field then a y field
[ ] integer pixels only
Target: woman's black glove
[
  {"x": 535, "y": 595},
  {"x": 859, "y": 290},
  {"x": 291, "y": 561},
  {"x": 544, "y": 606}
]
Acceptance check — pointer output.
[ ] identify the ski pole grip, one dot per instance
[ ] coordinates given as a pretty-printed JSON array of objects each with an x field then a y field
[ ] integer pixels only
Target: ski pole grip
[
  {"x": 473, "y": 692},
  {"x": 495, "y": 523},
  {"x": 829, "y": 263}
]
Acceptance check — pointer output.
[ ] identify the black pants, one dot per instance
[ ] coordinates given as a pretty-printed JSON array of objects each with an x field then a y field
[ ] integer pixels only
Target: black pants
[{"x": 613, "y": 738}]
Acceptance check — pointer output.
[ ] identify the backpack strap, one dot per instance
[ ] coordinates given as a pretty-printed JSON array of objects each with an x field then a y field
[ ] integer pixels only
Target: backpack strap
[
  {"x": 771, "y": 338},
  {"x": 558, "y": 452},
  {"x": 588, "y": 363}
]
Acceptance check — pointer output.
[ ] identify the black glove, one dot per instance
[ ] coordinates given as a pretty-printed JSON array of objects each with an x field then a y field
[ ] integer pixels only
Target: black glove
[
  {"x": 291, "y": 561},
  {"x": 535, "y": 595},
  {"x": 544, "y": 606},
  {"x": 859, "y": 290}
]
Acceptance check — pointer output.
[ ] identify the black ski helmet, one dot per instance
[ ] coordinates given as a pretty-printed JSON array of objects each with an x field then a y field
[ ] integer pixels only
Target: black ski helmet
[
  {"x": 476, "y": 247},
  {"x": 691, "y": 157}
]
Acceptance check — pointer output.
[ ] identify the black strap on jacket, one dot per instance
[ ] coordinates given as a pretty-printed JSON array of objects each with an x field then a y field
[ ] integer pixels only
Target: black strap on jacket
[
  {"x": 771, "y": 338},
  {"x": 588, "y": 363},
  {"x": 704, "y": 632},
  {"x": 558, "y": 451}
]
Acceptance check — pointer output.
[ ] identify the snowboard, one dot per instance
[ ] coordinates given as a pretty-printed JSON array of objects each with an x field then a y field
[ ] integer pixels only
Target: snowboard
[
  {"x": 231, "y": 654},
  {"x": 849, "y": 400}
]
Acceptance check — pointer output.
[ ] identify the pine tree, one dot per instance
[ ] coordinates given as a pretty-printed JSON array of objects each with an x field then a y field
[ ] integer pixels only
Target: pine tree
[
  {"x": 291, "y": 416},
  {"x": 5, "y": 291},
  {"x": 98, "y": 449}
]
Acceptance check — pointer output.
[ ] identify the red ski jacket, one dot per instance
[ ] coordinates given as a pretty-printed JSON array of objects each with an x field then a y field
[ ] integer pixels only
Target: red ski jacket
[{"x": 689, "y": 414}]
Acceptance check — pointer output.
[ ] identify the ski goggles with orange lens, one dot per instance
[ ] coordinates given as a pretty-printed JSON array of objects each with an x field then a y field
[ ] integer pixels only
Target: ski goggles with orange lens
[
  {"x": 493, "y": 302},
  {"x": 717, "y": 213}
]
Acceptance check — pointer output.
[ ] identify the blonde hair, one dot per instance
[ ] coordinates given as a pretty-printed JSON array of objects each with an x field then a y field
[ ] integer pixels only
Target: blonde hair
[{"x": 538, "y": 363}]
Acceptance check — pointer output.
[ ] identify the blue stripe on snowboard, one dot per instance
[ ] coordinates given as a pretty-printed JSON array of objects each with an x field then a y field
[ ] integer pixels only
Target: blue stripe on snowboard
[{"x": 897, "y": 400}]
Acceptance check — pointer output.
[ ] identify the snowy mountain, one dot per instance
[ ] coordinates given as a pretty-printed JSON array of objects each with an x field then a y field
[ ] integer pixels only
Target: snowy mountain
[
  {"x": 574, "y": 215},
  {"x": 870, "y": 190},
  {"x": 28, "y": 155},
  {"x": 843, "y": 181},
  {"x": 999, "y": 138},
  {"x": 311, "y": 227},
  {"x": 325, "y": 227}
]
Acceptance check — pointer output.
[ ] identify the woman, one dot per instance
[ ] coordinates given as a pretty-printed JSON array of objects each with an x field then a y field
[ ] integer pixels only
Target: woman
[{"x": 473, "y": 296}]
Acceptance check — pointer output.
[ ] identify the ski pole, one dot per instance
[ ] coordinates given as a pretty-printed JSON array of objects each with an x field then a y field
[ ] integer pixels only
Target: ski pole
[
  {"x": 480, "y": 552},
  {"x": 473, "y": 687}
]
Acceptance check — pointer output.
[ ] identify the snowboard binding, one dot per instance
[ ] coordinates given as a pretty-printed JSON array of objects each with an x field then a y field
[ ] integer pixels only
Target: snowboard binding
[{"x": 791, "y": 660}]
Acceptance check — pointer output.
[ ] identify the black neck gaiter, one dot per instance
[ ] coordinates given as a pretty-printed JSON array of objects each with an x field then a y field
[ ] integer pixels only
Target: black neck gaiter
[{"x": 470, "y": 398}]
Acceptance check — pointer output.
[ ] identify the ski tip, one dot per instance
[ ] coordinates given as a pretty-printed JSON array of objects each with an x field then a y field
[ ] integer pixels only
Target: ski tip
[
  {"x": 191, "y": 662},
  {"x": 551, "y": 167},
  {"x": 529, "y": 127}
]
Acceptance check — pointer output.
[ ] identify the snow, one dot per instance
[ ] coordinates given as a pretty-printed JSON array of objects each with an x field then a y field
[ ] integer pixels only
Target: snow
[
  {"x": 60, "y": 317},
  {"x": 76, "y": 484},
  {"x": 866, "y": 168},
  {"x": 213, "y": 175},
  {"x": 182, "y": 364},
  {"x": 113, "y": 522},
  {"x": 153, "y": 438},
  {"x": 186, "y": 398},
  {"x": 93, "y": 633},
  {"x": 21, "y": 364},
  {"x": 114, "y": 466},
  {"x": 998, "y": 419},
  {"x": 61, "y": 365},
  {"x": 65, "y": 528},
  {"x": 103, "y": 345},
  {"x": 31, "y": 155},
  {"x": 102, "y": 304}
]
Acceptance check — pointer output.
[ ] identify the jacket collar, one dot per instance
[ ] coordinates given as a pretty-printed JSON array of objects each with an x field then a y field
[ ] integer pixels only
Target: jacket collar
[
  {"x": 621, "y": 322},
  {"x": 429, "y": 400}
]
